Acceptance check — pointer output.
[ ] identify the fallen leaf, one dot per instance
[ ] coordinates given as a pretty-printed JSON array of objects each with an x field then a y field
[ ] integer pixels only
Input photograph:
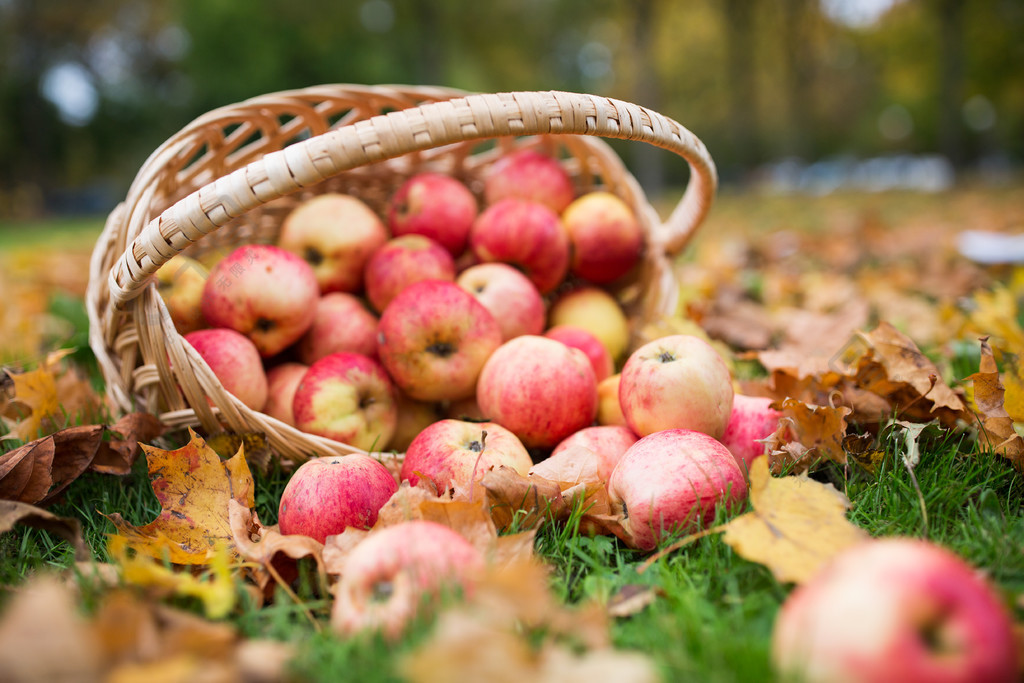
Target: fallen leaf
[
  {"x": 895, "y": 368},
  {"x": 193, "y": 487},
  {"x": 117, "y": 455},
  {"x": 44, "y": 638},
  {"x": 34, "y": 398},
  {"x": 807, "y": 434},
  {"x": 15, "y": 512},
  {"x": 256, "y": 445},
  {"x": 275, "y": 555},
  {"x": 996, "y": 423},
  {"x": 25, "y": 471},
  {"x": 215, "y": 589},
  {"x": 513, "y": 629},
  {"x": 795, "y": 527}
]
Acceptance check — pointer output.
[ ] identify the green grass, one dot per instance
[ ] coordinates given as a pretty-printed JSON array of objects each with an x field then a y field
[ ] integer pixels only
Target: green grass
[
  {"x": 713, "y": 616},
  {"x": 79, "y": 232}
]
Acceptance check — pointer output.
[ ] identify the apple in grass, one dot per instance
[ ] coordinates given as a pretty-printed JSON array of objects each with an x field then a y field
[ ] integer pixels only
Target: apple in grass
[
  {"x": 325, "y": 496},
  {"x": 532, "y": 175},
  {"x": 402, "y": 261},
  {"x": 895, "y": 609},
  {"x": 434, "y": 205},
  {"x": 336, "y": 234},
  {"x": 454, "y": 453},
  {"x": 395, "y": 572},
  {"x": 671, "y": 482},
  {"x": 597, "y": 311},
  {"x": 538, "y": 388},
  {"x": 234, "y": 360},
  {"x": 676, "y": 382},
  {"x": 752, "y": 419},
  {"x": 606, "y": 237},
  {"x": 347, "y": 397},
  {"x": 181, "y": 282},
  {"x": 282, "y": 381},
  {"x": 342, "y": 322},
  {"x": 609, "y": 411},
  {"x": 434, "y": 338},
  {"x": 512, "y": 299},
  {"x": 266, "y": 293},
  {"x": 524, "y": 234},
  {"x": 585, "y": 341},
  {"x": 608, "y": 443}
]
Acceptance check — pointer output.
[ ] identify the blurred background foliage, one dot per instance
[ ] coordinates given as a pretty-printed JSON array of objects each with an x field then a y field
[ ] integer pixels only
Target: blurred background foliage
[{"x": 89, "y": 89}]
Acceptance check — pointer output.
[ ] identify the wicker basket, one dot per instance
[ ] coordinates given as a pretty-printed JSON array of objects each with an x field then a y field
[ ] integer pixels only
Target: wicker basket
[{"x": 230, "y": 177}]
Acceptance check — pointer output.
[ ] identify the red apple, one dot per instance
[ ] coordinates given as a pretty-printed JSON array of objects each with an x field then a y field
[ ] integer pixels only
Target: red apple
[
  {"x": 434, "y": 338},
  {"x": 235, "y": 361},
  {"x": 347, "y": 397},
  {"x": 509, "y": 295},
  {"x": 676, "y": 382},
  {"x": 607, "y": 240},
  {"x": 453, "y": 453},
  {"x": 752, "y": 418},
  {"x": 324, "y": 496},
  {"x": 608, "y": 442},
  {"x": 609, "y": 412},
  {"x": 342, "y": 323},
  {"x": 393, "y": 573},
  {"x": 402, "y": 261},
  {"x": 672, "y": 481},
  {"x": 335, "y": 233},
  {"x": 181, "y": 282},
  {"x": 282, "y": 381},
  {"x": 531, "y": 175},
  {"x": 596, "y": 311},
  {"x": 585, "y": 341},
  {"x": 527, "y": 235},
  {"x": 435, "y": 205},
  {"x": 895, "y": 609},
  {"x": 539, "y": 388},
  {"x": 244, "y": 292}
]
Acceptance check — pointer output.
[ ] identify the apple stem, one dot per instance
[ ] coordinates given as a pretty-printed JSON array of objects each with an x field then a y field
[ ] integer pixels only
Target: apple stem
[{"x": 483, "y": 445}]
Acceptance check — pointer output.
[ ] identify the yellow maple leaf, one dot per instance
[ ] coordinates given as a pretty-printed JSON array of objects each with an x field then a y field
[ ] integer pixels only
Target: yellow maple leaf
[
  {"x": 215, "y": 589},
  {"x": 797, "y": 524},
  {"x": 193, "y": 487},
  {"x": 35, "y": 397}
]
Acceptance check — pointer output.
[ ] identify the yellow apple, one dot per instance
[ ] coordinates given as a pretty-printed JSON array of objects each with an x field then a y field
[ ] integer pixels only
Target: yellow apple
[{"x": 596, "y": 311}]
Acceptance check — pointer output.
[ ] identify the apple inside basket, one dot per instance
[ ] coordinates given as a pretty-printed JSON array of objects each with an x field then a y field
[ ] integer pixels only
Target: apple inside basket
[{"x": 395, "y": 236}]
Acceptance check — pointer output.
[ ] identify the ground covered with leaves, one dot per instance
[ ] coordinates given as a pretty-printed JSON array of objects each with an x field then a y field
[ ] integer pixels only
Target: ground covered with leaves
[{"x": 128, "y": 551}]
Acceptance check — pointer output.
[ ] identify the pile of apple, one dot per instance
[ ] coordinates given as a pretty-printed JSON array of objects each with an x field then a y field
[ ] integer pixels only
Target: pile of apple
[{"x": 469, "y": 333}]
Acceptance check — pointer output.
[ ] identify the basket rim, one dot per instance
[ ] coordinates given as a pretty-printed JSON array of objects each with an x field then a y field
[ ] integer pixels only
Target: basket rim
[{"x": 294, "y": 167}]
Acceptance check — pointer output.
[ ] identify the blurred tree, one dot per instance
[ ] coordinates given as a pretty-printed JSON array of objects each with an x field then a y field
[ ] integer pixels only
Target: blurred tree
[{"x": 756, "y": 80}]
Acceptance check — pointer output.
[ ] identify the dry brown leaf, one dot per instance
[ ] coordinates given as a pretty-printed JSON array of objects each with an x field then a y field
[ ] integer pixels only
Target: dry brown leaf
[
  {"x": 807, "y": 434},
  {"x": 68, "y": 528},
  {"x": 468, "y": 514},
  {"x": 193, "y": 488},
  {"x": 995, "y": 421},
  {"x": 796, "y": 526},
  {"x": 894, "y": 367},
  {"x": 25, "y": 471},
  {"x": 275, "y": 555},
  {"x": 117, "y": 455}
]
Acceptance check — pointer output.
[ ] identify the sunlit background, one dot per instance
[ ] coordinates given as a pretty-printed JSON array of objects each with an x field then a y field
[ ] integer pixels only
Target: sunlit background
[{"x": 789, "y": 95}]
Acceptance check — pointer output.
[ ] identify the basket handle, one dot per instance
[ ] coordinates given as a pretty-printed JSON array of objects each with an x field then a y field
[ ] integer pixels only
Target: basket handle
[{"x": 408, "y": 130}]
